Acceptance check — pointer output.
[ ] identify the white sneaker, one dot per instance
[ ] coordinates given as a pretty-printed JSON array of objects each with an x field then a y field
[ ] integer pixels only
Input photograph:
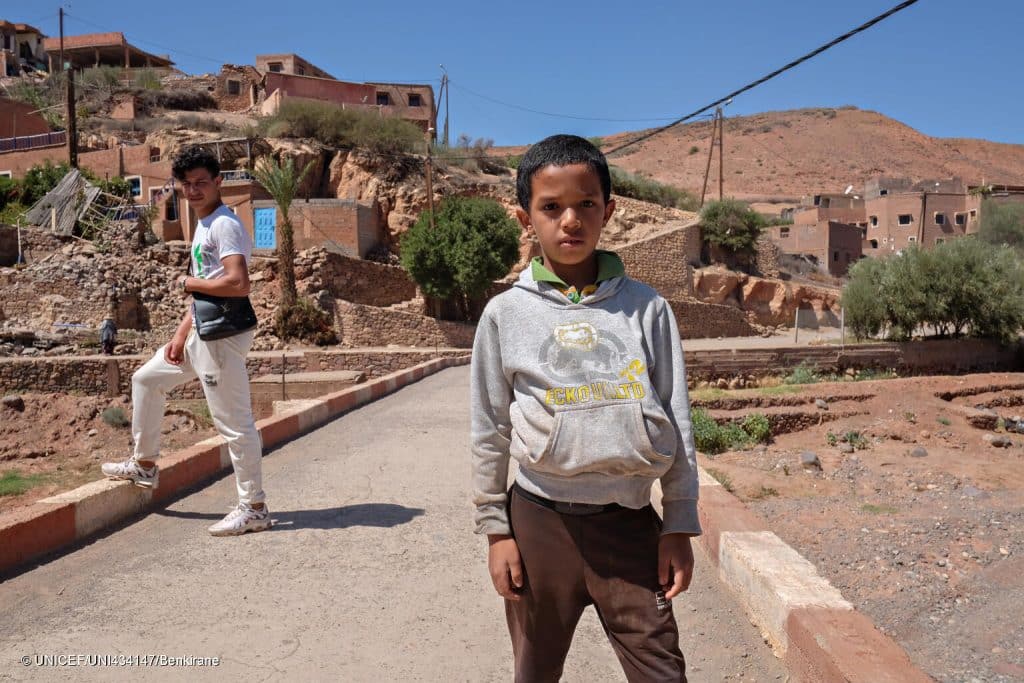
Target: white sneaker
[
  {"x": 132, "y": 471},
  {"x": 242, "y": 519}
]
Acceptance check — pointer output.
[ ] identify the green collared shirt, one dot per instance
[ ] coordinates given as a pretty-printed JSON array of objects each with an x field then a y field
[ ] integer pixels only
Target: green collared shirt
[{"x": 609, "y": 265}]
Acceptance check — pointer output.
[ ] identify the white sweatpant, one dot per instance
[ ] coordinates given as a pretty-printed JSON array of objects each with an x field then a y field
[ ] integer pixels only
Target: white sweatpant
[{"x": 220, "y": 367}]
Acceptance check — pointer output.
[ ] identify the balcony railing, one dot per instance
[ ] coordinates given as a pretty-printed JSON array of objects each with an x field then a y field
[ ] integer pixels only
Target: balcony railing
[
  {"x": 23, "y": 142},
  {"x": 238, "y": 175}
]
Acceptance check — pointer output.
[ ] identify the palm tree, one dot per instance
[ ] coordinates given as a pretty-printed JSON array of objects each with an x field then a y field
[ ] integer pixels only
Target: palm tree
[{"x": 282, "y": 183}]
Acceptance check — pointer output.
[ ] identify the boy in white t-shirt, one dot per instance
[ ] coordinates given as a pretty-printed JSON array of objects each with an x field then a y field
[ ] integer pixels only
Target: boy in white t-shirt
[{"x": 221, "y": 248}]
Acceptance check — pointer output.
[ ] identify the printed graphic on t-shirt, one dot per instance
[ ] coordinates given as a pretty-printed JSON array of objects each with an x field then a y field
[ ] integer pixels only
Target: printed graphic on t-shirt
[{"x": 585, "y": 364}]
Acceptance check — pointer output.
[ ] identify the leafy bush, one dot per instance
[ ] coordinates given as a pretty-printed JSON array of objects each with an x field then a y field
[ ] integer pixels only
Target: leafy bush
[
  {"x": 732, "y": 226},
  {"x": 337, "y": 127},
  {"x": 474, "y": 242},
  {"x": 44, "y": 96},
  {"x": 115, "y": 417},
  {"x": 513, "y": 161},
  {"x": 303, "y": 320},
  {"x": 712, "y": 438},
  {"x": 961, "y": 287},
  {"x": 469, "y": 153},
  {"x": 41, "y": 179},
  {"x": 627, "y": 184},
  {"x": 694, "y": 149},
  {"x": 757, "y": 427},
  {"x": 10, "y": 191},
  {"x": 179, "y": 100},
  {"x": 802, "y": 374}
]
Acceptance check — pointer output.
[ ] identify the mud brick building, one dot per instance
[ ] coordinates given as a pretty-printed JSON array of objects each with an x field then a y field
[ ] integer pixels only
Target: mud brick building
[{"x": 21, "y": 49}]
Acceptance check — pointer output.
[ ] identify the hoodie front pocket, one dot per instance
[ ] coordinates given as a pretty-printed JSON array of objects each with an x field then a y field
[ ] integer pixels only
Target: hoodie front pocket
[{"x": 607, "y": 439}]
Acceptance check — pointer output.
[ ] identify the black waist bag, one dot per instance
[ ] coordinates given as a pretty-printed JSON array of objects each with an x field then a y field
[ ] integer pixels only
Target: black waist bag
[{"x": 217, "y": 317}]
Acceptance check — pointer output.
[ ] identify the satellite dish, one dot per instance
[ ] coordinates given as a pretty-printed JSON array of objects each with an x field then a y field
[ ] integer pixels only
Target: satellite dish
[{"x": 848, "y": 190}]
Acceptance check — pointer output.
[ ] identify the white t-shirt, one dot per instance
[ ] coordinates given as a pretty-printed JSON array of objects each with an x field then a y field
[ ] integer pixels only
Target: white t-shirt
[{"x": 218, "y": 235}]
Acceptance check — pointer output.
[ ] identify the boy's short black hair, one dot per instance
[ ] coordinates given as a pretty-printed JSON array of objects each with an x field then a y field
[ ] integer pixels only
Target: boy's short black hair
[
  {"x": 560, "y": 150},
  {"x": 191, "y": 158}
]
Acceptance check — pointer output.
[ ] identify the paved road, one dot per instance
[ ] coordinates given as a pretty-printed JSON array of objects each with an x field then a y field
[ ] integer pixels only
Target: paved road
[{"x": 370, "y": 574}]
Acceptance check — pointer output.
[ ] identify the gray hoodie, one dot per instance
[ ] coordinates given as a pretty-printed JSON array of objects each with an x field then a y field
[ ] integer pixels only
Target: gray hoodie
[{"x": 589, "y": 398}]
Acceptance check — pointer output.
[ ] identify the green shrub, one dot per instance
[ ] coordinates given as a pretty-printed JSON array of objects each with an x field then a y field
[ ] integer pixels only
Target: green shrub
[
  {"x": 305, "y": 321},
  {"x": 513, "y": 161},
  {"x": 337, "y": 127},
  {"x": 961, "y": 287},
  {"x": 757, "y": 427},
  {"x": 41, "y": 179},
  {"x": 12, "y": 212},
  {"x": 596, "y": 142},
  {"x": 694, "y": 149},
  {"x": 10, "y": 190},
  {"x": 713, "y": 438},
  {"x": 732, "y": 226},
  {"x": 474, "y": 242},
  {"x": 627, "y": 184},
  {"x": 115, "y": 417},
  {"x": 14, "y": 483},
  {"x": 802, "y": 374}
]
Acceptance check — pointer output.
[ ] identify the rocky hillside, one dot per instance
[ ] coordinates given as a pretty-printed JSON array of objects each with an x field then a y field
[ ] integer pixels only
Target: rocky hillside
[{"x": 787, "y": 154}]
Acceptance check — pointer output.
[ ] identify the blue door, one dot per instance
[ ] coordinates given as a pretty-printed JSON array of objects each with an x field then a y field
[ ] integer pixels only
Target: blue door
[{"x": 266, "y": 224}]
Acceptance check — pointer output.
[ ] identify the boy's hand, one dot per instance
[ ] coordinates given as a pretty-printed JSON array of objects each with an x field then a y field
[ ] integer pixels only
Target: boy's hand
[
  {"x": 675, "y": 564},
  {"x": 505, "y": 566}
]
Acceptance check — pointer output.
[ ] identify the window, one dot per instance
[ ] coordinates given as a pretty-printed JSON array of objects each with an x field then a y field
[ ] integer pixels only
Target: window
[
  {"x": 783, "y": 232},
  {"x": 974, "y": 213},
  {"x": 912, "y": 238},
  {"x": 415, "y": 100},
  {"x": 835, "y": 257},
  {"x": 960, "y": 218},
  {"x": 234, "y": 87},
  {"x": 905, "y": 219},
  {"x": 136, "y": 184},
  {"x": 940, "y": 219},
  {"x": 6, "y": 174},
  {"x": 874, "y": 221},
  {"x": 882, "y": 193},
  {"x": 383, "y": 98},
  {"x": 276, "y": 67},
  {"x": 300, "y": 70},
  {"x": 939, "y": 240},
  {"x": 826, "y": 202},
  {"x": 874, "y": 244}
]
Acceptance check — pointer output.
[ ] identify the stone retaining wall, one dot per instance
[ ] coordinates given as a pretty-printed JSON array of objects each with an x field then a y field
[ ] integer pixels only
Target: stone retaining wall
[
  {"x": 102, "y": 375},
  {"x": 360, "y": 326}
]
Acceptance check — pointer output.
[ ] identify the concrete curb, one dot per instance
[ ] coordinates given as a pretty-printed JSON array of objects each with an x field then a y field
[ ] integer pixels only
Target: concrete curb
[
  {"x": 819, "y": 635},
  {"x": 53, "y": 523}
]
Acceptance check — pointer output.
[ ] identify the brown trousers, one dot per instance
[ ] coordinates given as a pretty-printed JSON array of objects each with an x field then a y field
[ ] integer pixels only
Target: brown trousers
[{"x": 609, "y": 560}]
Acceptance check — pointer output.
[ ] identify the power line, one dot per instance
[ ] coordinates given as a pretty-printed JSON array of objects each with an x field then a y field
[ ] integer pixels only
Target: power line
[
  {"x": 773, "y": 74},
  {"x": 546, "y": 113},
  {"x": 146, "y": 42}
]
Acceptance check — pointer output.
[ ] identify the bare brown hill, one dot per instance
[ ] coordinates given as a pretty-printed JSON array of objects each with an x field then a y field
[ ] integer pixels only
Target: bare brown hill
[{"x": 787, "y": 154}]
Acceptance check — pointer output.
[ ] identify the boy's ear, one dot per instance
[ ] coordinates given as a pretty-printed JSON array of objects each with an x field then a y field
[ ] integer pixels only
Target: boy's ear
[
  {"x": 609, "y": 209},
  {"x": 524, "y": 220}
]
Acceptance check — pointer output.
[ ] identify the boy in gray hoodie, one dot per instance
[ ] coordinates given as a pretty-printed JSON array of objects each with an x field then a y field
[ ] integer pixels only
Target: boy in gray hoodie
[{"x": 578, "y": 375}]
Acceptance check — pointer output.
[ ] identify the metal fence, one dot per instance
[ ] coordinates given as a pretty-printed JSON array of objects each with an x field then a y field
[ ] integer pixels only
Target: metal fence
[{"x": 32, "y": 141}]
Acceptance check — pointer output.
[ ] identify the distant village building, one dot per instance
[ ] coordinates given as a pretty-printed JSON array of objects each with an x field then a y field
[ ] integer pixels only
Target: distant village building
[
  {"x": 891, "y": 214},
  {"x": 102, "y": 49},
  {"x": 290, "y": 64},
  {"x": 21, "y": 49},
  {"x": 834, "y": 245},
  {"x": 900, "y": 213}
]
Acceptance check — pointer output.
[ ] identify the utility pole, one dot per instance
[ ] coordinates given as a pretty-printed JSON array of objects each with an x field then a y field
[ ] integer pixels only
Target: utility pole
[
  {"x": 430, "y": 179},
  {"x": 721, "y": 153},
  {"x": 71, "y": 122},
  {"x": 61, "y": 13},
  {"x": 711, "y": 151},
  {"x": 444, "y": 89}
]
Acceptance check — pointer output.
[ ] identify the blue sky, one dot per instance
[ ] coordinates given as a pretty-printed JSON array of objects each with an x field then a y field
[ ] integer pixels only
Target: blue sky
[{"x": 946, "y": 67}]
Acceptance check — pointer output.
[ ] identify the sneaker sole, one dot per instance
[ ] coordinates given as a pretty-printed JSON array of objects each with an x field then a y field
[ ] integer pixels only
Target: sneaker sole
[
  {"x": 242, "y": 532},
  {"x": 140, "y": 484}
]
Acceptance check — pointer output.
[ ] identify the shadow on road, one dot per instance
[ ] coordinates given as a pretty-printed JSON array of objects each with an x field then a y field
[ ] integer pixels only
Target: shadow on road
[{"x": 363, "y": 514}]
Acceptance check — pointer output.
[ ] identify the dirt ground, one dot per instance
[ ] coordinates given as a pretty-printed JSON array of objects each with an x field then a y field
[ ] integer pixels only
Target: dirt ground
[
  {"x": 58, "y": 441},
  {"x": 915, "y": 514}
]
